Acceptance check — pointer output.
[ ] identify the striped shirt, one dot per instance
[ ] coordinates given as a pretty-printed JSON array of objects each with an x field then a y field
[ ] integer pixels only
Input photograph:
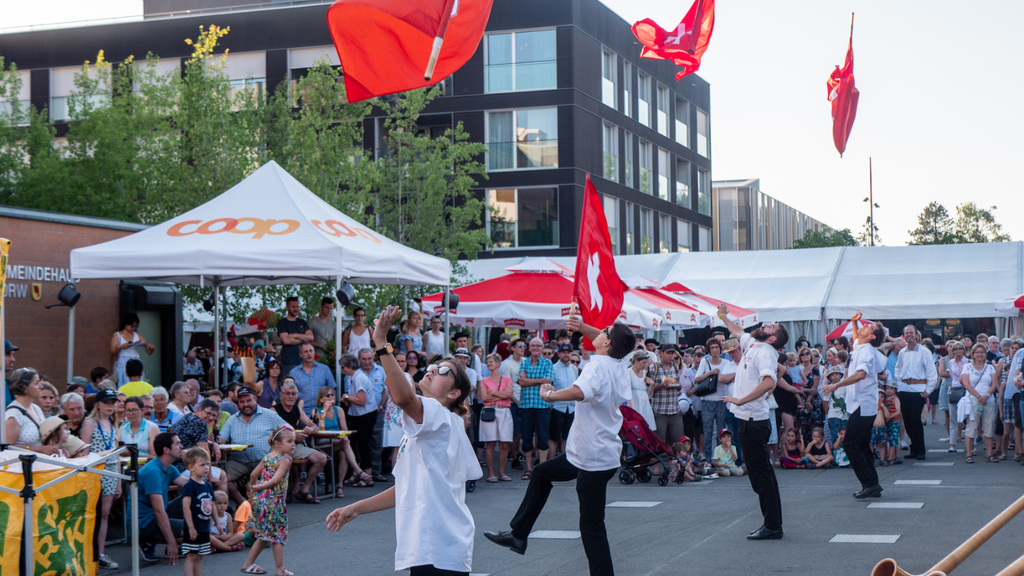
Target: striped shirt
[{"x": 256, "y": 432}]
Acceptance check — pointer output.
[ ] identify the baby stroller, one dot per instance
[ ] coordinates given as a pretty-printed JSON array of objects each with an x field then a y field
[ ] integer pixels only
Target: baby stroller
[{"x": 642, "y": 448}]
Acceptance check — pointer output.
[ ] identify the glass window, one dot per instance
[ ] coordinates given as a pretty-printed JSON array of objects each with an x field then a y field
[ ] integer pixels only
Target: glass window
[
  {"x": 703, "y": 198},
  {"x": 664, "y": 234},
  {"x": 608, "y": 78},
  {"x": 702, "y": 134},
  {"x": 627, "y": 88},
  {"x": 663, "y": 110},
  {"x": 643, "y": 107},
  {"x": 683, "y": 184},
  {"x": 521, "y": 61},
  {"x": 663, "y": 174},
  {"x": 611, "y": 214},
  {"x": 523, "y": 218},
  {"x": 703, "y": 239},
  {"x": 629, "y": 160},
  {"x": 611, "y": 152},
  {"x": 630, "y": 244},
  {"x": 645, "y": 167},
  {"x": 682, "y": 123},
  {"x": 522, "y": 139},
  {"x": 646, "y": 231},
  {"x": 682, "y": 236}
]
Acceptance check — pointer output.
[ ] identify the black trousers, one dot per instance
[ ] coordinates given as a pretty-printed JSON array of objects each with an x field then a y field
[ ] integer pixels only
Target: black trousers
[
  {"x": 363, "y": 425},
  {"x": 911, "y": 406},
  {"x": 753, "y": 438},
  {"x": 590, "y": 488},
  {"x": 857, "y": 444}
]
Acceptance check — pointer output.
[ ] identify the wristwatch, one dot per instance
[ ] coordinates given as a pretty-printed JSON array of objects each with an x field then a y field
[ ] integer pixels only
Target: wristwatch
[{"x": 387, "y": 349}]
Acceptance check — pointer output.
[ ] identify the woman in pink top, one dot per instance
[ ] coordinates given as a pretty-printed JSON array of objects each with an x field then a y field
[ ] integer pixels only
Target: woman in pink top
[{"x": 495, "y": 393}]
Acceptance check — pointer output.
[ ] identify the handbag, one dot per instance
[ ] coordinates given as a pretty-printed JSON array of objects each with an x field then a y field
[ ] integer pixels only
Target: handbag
[
  {"x": 955, "y": 394},
  {"x": 487, "y": 414},
  {"x": 708, "y": 385}
]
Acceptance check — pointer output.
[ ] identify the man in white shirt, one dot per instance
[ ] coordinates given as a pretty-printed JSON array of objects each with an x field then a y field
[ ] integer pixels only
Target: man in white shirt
[
  {"x": 862, "y": 403},
  {"x": 562, "y": 413},
  {"x": 916, "y": 377},
  {"x": 510, "y": 367},
  {"x": 756, "y": 375},
  {"x": 592, "y": 451}
]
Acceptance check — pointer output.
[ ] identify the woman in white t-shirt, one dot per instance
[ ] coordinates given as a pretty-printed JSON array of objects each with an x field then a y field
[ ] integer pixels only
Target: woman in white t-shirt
[
  {"x": 981, "y": 381},
  {"x": 432, "y": 522},
  {"x": 640, "y": 400},
  {"x": 23, "y": 417}
]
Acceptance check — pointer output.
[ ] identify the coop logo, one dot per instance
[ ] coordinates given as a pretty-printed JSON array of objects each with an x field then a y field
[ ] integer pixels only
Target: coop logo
[
  {"x": 515, "y": 322},
  {"x": 256, "y": 227},
  {"x": 338, "y": 229}
]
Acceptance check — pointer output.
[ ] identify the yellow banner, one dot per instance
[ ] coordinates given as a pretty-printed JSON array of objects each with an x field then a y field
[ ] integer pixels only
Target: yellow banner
[
  {"x": 11, "y": 523},
  {"x": 64, "y": 524},
  {"x": 5, "y": 245}
]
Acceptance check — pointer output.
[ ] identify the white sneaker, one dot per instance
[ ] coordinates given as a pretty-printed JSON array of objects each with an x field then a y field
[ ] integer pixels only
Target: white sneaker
[
  {"x": 946, "y": 439},
  {"x": 106, "y": 563},
  {"x": 951, "y": 449}
]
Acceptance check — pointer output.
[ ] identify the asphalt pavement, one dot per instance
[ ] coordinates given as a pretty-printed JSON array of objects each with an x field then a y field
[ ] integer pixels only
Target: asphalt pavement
[{"x": 695, "y": 528}]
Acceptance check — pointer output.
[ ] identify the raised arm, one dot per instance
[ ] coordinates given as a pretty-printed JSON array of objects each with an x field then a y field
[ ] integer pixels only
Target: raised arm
[
  {"x": 734, "y": 328},
  {"x": 394, "y": 378},
  {"x": 574, "y": 324}
]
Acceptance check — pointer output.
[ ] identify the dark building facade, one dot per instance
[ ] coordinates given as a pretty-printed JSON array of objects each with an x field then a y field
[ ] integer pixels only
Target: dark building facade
[{"x": 555, "y": 90}]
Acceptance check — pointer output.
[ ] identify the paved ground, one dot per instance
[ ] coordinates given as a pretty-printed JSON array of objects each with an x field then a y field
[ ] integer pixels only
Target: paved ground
[{"x": 695, "y": 528}]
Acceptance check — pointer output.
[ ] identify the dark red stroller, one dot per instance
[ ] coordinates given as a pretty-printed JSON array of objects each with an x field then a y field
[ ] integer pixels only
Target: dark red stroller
[{"x": 642, "y": 448}]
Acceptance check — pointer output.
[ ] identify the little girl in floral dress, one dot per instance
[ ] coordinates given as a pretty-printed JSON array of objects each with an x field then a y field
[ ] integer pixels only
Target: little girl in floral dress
[{"x": 268, "y": 486}]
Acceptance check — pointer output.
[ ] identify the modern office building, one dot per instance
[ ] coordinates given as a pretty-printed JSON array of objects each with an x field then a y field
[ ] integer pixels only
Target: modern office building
[
  {"x": 747, "y": 219},
  {"x": 555, "y": 90}
]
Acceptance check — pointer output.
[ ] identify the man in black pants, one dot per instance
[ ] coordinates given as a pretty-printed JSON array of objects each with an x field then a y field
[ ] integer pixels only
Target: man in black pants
[
  {"x": 916, "y": 377},
  {"x": 756, "y": 376},
  {"x": 592, "y": 449},
  {"x": 862, "y": 404}
]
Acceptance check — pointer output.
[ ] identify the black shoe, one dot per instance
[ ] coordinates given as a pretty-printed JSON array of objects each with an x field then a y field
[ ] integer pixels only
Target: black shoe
[
  {"x": 910, "y": 457},
  {"x": 148, "y": 553},
  {"x": 922, "y": 457},
  {"x": 869, "y": 492},
  {"x": 764, "y": 533},
  {"x": 509, "y": 541},
  {"x": 517, "y": 465},
  {"x": 470, "y": 485}
]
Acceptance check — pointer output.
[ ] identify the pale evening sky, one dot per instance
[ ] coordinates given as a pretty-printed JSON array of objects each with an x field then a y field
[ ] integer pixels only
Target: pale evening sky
[{"x": 940, "y": 108}]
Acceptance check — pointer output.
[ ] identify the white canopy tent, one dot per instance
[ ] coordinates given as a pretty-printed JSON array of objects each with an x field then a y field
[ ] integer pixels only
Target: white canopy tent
[{"x": 267, "y": 229}]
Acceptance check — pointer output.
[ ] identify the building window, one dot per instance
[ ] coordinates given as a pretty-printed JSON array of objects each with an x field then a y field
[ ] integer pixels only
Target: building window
[
  {"x": 608, "y": 88},
  {"x": 20, "y": 100},
  {"x": 522, "y": 139},
  {"x": 521, "y": 61},
  {"x": 702, "y": 134},
  {"x": 611, "y": 214},
  {"x": 521, "y": 218},
  {"x": 645, "y": 167},
  {"x": 703, "y": 239},
  {"x": 683, "y": 184},
  {"x": 630, "y": 244},
  {"x": 664, "y": 234},
  {"x": 629, "y": 160},
  {"x": 627, "y": 88},
  {"x": 703, "y": 198},
  {"x": 62, "y": 86},
  {"x": 682, "y": 236},
  {"x": 663, "y": 110},
  {"x": 611, "y": 152},
  {"x": 682, "y": 123},
  {"x": 646, "y": 231},
  {"x": 663, "y": 174},
  {"x": 643, "y": 107}
]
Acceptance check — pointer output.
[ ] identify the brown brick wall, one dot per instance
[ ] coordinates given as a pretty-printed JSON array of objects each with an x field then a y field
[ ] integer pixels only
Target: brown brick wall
[{"x": 41, "y": 334}]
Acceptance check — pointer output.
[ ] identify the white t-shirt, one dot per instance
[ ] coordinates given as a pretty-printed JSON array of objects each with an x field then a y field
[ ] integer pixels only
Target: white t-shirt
[
  {"x": 759, "y": 361},
  {"x": 706, "y": 366},
  {"x": 29, "y": 433},
  {"x": 360, "y": 381},
  {"x": 510, "y": 368},
  {"x": 981, "y": 381},
  {"x": 868, "y": 359},
  {"x": 593, "y": 443},
  {"x": 432, "y": 522}
]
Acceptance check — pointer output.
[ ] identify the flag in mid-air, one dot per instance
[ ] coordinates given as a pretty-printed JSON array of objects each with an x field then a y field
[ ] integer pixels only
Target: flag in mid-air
[
  {"x": 685, "y": 45},
  {"x": 597, "y": 289},
  {"x": 385, "y": 45},
  {"x": 843, "y": 94}
]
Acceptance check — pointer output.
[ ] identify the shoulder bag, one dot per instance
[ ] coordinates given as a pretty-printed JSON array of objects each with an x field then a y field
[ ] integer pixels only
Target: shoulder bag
[{"x": 708, "y": 385}]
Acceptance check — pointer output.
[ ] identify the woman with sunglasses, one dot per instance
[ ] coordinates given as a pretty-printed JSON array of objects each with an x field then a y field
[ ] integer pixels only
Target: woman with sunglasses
[{"x": 433, "y": 524}]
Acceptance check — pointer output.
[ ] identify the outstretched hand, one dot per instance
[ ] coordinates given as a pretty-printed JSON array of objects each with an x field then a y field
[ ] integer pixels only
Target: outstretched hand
[
  {"x": 382, "y": 323},
  {"x": 723, "y": 310},
  {"x": 340, "y": 517},
  {"x": 856, "y": 317}
]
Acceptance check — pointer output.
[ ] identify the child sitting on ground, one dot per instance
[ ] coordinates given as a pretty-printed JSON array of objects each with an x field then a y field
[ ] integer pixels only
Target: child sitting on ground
[
  {"x": 725, "y": 455},
  {"x": 794, "y": 447},
  {"x": 223, "y": 536},
  {"x": 242, "y": 514},
  {"x": 818, "y": 454},
  {"x": 684, "y": 462},
  {"x": 839, "y": 452}
]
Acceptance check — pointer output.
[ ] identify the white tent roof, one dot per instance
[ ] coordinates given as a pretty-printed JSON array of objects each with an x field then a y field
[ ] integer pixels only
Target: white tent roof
[{"x": 267, "y": 229}]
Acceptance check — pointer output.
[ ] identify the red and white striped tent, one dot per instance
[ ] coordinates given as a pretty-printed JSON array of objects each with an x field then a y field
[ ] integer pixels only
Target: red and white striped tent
[{"x": 708, "y": 305}]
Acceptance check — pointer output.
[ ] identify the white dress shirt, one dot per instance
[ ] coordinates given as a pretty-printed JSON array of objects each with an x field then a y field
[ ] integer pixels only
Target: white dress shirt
[
  {"x": 593, "y": 443},
  {"x": 916, "y": 364},
  {"x": 869, "y": 360},
  {"x": 759, "y": 361}
]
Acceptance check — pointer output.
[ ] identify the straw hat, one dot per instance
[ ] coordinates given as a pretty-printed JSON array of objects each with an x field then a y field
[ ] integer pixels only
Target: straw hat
[{"x": 49, "y": 426}]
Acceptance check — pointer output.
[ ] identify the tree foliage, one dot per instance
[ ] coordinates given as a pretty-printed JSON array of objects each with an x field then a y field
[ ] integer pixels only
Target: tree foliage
[
  {"x": 826, "y": 238},
  {"x": 972, "y": 224}
]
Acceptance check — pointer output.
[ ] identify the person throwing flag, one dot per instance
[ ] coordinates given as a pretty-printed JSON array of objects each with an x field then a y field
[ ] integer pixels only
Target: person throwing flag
[{"x": 592, "y": 449}]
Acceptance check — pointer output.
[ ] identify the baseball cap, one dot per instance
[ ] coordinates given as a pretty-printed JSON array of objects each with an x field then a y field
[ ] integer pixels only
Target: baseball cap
[
  {"x": 8, "y": 347},
  {"x": 106, "y": 395},
  {"x": 835, "y": 370},
  {"x": 685, "y": 439},
  {"x": 565, "y": 348},
  {"x": 242, "y": 390},
  {"x": 731, "y": 344},
  {"x": 462, "y": 352},
  {"x": 668, "y": 346},
  {"x": 723, "y": 432}
]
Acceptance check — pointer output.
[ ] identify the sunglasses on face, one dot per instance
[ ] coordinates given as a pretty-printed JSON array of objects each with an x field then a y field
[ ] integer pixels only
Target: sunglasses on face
[
  {"x": 439, "y": 370},
  {"x": 576, "y": 362}
]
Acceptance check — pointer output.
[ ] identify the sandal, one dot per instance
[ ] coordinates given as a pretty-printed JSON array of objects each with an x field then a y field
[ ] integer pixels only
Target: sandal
[
  {"x": 339, "y": 493},
  {"x": 527, "y": 475},
  {"x": 286, "y": 573},
  {"x": 492, "y": 479},
  {"x": 505, "y": 478},
  {"x": 363, "y": 484},
  {"x": 253, "y": 569},
  {"x": 306, "y": 498},
  {"x": 992, "y": 459},
  {"x": 970, "y": 460}
]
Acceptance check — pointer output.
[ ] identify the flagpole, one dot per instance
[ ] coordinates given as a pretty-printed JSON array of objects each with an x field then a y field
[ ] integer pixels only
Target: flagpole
[
  {"x": 871, "y": 201},
  {"x": 442, "y": 29},
  {"x": 851, "y": 26},
  {"x": 698, "y": 23}
]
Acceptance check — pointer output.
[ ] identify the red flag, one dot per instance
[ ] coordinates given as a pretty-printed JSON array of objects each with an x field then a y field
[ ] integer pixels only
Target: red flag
[
  {"x": 681, "y": 46},
  {"x": 385, "y": 45},
  {"x": 597, "y": 288},
  {"x": 843, "y": 94}
]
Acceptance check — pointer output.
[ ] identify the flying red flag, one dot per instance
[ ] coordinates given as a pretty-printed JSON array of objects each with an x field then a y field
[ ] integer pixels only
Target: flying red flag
[
  {"x": 388, "y": 46},
  {"x": 843, "y": 94},
  {"x": 681, "y": 46},
  {"x": 597, "y": 288}
]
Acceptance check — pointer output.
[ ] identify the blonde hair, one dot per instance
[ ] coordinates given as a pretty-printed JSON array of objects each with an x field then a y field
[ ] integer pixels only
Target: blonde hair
[
  {"x": 195, "y": 455},
  {"x": 277, "y": 431}
]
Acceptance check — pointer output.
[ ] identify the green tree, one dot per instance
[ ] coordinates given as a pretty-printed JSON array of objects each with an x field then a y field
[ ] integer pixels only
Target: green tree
[
  {"x": 869, "y": 234},
  {"x": 934, "y": 226},
  {"x": 975, "y": 224},
  {"x": 826, "y": 238}
]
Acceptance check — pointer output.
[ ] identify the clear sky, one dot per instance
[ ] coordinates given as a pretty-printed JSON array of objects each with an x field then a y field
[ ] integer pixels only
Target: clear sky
[{"x": 940, "y": 108}]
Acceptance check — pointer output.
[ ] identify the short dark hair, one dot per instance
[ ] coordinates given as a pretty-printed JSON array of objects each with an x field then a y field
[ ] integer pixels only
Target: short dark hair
[
  {"x": 133, "y": 367},
  {"x": 98, "y": 373},
  {"x": 163, "y": 442},
  {"x": 290, "y": 299},
  {"x": 129, "y": 319},
  {"x": 326, "y": 300},
  {"x": 878, "y": 335},
  {"x": 358, "y": 309},
  {"x": 349, "y": 361},
  {"x": 208, "y": 404},
  {"x": 622, "y": 340},
  {"x": 462, "y": 384},
  {"x": 781, "y": 336},
  {"x": 137, "y": 400},
  {"x": 843, "y": 341}
]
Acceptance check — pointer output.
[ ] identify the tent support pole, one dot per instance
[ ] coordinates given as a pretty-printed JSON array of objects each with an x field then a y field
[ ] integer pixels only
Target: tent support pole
[
  {"x": 28, "y": 494},
  {"x": 215, "y": 367},
  {"x": 225, "y": 338},
  {"x": 71, "y": 343},
  {"x": 340, "y": 314},
  {"x": 447, "y": 324}
]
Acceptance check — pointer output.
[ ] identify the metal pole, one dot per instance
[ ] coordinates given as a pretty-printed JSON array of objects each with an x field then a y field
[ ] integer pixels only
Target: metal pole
[
  {"x": 27, "y": 494},
  {"x": 338, "y": 376},
  {"x": 133, "y": 452},
  {"x": 225, "y": 338},
  {"x": 447, "y": 324},
  {"x": 871, "y": 188},
  {"x": 215, "y": 367},
  {"x": 5, "y": 244},
  {"x": 71, "y": 343}
]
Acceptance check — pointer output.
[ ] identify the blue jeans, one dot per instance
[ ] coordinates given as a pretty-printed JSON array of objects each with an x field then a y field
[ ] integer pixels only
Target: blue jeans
[
  {"x": 834, "y": 424},
  {"x": 535, "y": 420},
  {"x": 712, "y": 414}
]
